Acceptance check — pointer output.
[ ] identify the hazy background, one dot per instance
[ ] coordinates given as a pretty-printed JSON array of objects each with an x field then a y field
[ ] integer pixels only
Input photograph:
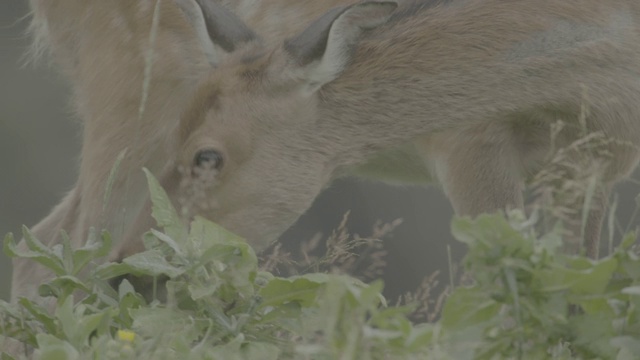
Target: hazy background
[{"x": 39, "y": 145}]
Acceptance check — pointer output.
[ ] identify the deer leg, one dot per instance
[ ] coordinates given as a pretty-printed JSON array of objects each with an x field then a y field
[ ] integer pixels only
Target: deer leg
[
  {"x": 482, "y": 174},
  {"x": 478, "y": 176}
]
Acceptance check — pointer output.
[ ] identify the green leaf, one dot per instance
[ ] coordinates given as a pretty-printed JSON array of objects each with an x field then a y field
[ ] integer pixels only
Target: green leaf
[
  {"x": 52, "y": 348},
  {"x": 64, "y": 314},
  {"x": 466, "y": 307},
  {"x": 34, "y": 244},
  {"x": 158, "y": 321},
  {"x": 582, "y": 277},
  {"x": 95, "y": 248},
  {"x": 87, "y": 324},
  {"x": 594, "y": 332},
  {"x": 212, "y": 233},
  {"x": 240, "y": 349},
  {"x": 128, "y": 303},
  {"x": 168, "y": 241},
  {"x": 302, "y": 289},
  {"x": 203, "y": 290},
  {"x": 153, "y": 263},
  {"x": 365, "y": 295},
  {"x": 628, "y": 240},
  {"x": 420, "y": 336},
  {"x": 40, "y": 314},
  {"x": 62, "y": 287},
  {"x": 41, "y": 255},
  {"x": 259, "y": 351},
  {"x": 125, "y": 288},
  {"x": 15, "y": 324},
  {"x": 163, "y": 211},
  {"x": 112, "y": 270},
  {"x": 233, "y": 265},
  {"x": 67, "y": 252}
]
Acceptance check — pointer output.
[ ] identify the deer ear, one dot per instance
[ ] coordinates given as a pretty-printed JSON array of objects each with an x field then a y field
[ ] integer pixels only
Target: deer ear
[
  {"x": 218, "y": 29},
  {"x": 324, "y": 49}
]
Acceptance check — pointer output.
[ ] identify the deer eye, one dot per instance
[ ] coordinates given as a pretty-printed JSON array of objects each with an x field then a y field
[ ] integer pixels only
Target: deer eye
[{"x": 208, "y": 159}]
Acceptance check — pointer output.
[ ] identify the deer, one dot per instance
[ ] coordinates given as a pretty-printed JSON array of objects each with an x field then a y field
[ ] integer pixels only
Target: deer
[{"x": 461, "y": 92}]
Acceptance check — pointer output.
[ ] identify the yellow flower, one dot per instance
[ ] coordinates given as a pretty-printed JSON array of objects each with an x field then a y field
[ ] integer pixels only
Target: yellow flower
[{"x": 126, "y": 335}]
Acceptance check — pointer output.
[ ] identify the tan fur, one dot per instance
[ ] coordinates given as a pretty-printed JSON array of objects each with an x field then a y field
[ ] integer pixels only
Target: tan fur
[{"x": 466, "y": 92}]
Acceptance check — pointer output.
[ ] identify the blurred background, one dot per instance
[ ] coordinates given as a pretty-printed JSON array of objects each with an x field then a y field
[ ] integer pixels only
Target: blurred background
[
  {"x": 39, "y": 148},
  {"x": 39, "y": 139}
]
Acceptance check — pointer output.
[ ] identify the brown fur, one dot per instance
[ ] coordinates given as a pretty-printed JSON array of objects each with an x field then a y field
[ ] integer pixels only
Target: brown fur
[{"x": 465, "y": 92}]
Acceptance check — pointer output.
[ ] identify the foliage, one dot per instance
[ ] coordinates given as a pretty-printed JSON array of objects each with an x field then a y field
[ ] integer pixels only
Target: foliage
[{"x": 525, "y": 299}]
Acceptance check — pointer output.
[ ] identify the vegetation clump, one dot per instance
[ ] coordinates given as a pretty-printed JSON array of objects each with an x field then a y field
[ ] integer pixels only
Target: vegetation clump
[{"x": 522, "y": 299}]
